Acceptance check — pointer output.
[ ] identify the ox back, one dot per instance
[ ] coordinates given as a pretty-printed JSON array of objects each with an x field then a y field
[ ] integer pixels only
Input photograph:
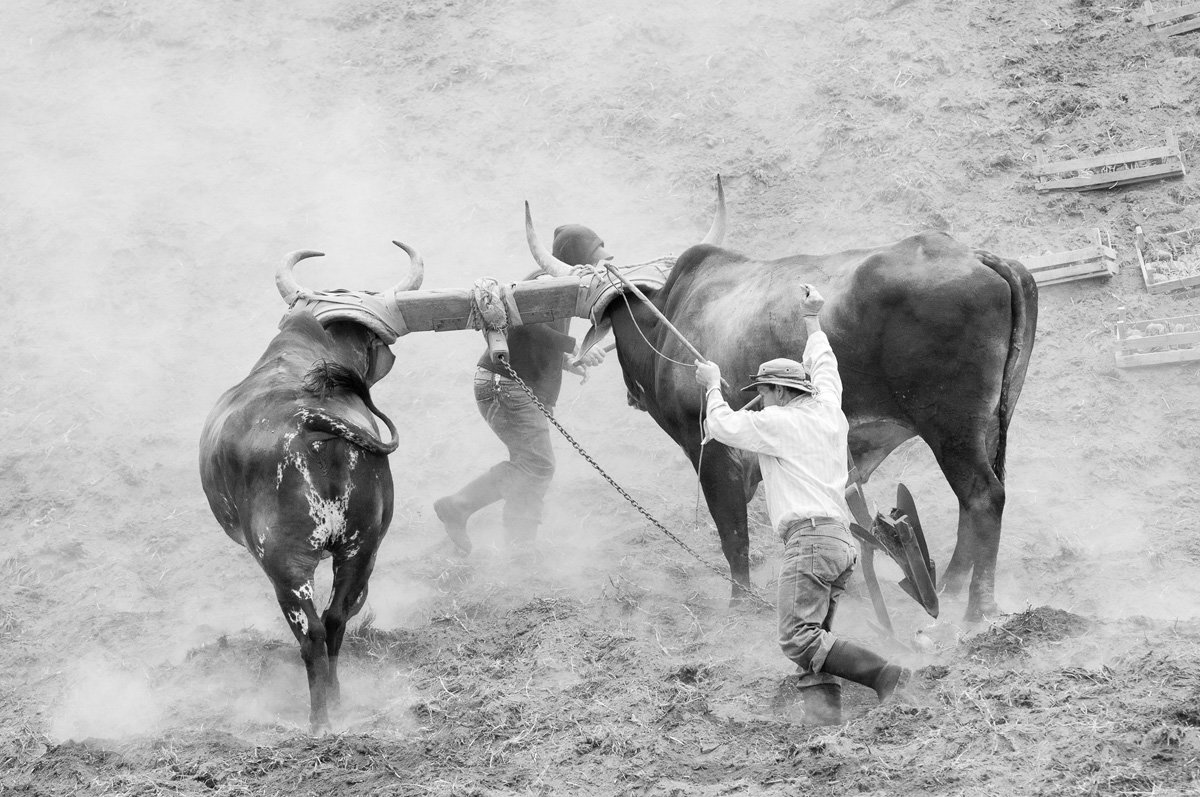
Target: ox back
[
  {"x": 293, "y": 469},
  {"x": 932, "y": 339}
]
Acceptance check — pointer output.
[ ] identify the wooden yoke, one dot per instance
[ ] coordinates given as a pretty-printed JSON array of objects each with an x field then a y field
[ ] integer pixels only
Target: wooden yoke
[{"x": 532, "y": 302}]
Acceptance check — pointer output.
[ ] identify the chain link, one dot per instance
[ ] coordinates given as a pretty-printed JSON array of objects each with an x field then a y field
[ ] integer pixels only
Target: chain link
[{"x": 747, "y": 589}]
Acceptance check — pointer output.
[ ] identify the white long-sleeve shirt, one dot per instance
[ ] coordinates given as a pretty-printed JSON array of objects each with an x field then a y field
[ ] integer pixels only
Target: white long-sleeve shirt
[{"x": 801, "y": 446}]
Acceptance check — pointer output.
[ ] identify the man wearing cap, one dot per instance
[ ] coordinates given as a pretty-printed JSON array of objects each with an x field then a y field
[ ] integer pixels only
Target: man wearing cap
[
  {"x": 538, "y": 353},
  {"x": 800, "y": 438}
]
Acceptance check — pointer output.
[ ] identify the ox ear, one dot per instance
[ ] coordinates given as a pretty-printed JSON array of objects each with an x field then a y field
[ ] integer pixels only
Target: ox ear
[{"x": 381, "y": 361}]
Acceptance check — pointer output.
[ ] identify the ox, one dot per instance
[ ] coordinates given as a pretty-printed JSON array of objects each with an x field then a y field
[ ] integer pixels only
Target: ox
[
  {"x": 932, "y": 339},
  {"x": 294, "y": 469}
]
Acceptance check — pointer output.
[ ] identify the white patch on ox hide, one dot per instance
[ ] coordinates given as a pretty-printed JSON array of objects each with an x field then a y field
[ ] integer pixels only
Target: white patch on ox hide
[
  {"x": 352, "y": 549},
  {"x": 328, "y": 515},
  {"x": 298, "y": 619},
  {"x": 287, "y": 446},
  {"x": 305, "y": 593}
]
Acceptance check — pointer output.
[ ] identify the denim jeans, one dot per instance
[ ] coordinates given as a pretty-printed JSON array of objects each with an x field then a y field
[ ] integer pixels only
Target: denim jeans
[
  {"x": 817, "y": 564},
  {"x": 522, "y": 480}
]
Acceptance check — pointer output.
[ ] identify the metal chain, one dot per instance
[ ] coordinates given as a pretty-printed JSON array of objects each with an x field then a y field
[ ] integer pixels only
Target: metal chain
[{"x": 747, "y": 589}]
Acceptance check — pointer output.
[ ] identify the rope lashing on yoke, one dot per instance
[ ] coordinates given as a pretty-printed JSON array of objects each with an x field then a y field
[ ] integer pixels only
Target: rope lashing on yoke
[
  {"x": 493, "y": 306},
  {"x": 493, "y": 311}
]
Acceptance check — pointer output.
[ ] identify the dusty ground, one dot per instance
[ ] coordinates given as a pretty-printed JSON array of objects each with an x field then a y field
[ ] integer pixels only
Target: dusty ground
[{"x": 159, "y": 157}]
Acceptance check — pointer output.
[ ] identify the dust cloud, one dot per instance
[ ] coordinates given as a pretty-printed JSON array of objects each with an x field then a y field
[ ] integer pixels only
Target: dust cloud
[{"x": 158, "y": 166}]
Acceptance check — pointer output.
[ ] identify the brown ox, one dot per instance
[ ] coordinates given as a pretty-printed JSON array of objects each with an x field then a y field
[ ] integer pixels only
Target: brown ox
[
  {"x": 932, "y": 339},
  {"x": 295, "y": 471}
]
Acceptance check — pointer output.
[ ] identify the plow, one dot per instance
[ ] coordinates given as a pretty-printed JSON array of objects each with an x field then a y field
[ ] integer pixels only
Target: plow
[{"x": 899, "y": 535}]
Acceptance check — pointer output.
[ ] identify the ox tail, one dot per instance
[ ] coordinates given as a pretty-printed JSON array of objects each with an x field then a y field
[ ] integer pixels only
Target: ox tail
[
  {"x": 327, "y": 379},
  {"x": 1024, "y": 294}
]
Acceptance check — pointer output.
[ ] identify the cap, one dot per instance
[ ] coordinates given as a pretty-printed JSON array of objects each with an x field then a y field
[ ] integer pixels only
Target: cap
[{"x": 782, "y": 371}]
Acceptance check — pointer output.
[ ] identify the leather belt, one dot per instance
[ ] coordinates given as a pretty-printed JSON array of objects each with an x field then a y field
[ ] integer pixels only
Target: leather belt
[
  {"x": 492, "y": 376},
  {"x": 797, "y": 526}
]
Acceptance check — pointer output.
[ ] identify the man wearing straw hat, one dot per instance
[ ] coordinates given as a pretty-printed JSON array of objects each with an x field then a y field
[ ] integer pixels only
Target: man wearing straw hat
[{"x": 800, "y": 437}]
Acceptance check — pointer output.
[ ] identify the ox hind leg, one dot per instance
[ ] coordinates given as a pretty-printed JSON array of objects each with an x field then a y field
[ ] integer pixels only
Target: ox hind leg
[
  {"x": 980, "y": 496},
  {"x": 292, "y": 577},
  {"x": 726, "y": 491},
  {"x": 350, "y": 577}
]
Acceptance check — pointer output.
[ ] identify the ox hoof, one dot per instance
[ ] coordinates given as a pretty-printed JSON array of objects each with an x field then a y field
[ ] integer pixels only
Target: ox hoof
[{"x": 982, "y": 614}]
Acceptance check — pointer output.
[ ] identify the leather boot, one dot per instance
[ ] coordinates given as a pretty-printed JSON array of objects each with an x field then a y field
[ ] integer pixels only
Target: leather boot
[
  {"x": 862, "y": 666},
  {"x": 822, "y": 704},
  {"x": 454, "y": 510}
]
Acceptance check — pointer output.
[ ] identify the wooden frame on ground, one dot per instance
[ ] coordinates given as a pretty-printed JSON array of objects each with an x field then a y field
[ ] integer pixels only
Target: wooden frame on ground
[
  {"x": 1172, "y": 21},
  {"x": 1111, "y": 169},
  {"x": 1157, "y": 341},
  {"x": 1097, "y": 260},
  {"x": 1148, "y": 272}
]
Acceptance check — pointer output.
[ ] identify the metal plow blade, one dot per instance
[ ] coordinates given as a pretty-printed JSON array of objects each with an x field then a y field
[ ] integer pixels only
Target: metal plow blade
[
  {"x": 920, "y": 580},
  {"x": 899, "y": 535}
]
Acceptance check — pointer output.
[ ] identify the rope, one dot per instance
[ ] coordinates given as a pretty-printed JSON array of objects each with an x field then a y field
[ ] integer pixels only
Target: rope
[
  {"x": 746, "y": 589},
  {"x": 638, "y": 327},
  {"x": 488, "y": 308}
]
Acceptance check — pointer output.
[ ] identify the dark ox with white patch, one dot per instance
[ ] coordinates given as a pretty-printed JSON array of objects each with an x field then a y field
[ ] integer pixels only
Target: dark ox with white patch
[
  {"x": 932, "y": 339},
  {"x": 294, "y": 469}
]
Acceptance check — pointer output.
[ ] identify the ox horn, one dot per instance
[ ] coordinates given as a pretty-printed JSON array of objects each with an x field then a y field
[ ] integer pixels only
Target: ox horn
[
  {"x": 285, "y": 280},
  {"x": 716, "y": 233},
  {"x": 549, "y": 263},
  {"x": 416, "y": 274}
]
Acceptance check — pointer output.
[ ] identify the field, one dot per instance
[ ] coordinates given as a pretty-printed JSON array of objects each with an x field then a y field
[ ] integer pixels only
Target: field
[{"x": 159, "y": 158}]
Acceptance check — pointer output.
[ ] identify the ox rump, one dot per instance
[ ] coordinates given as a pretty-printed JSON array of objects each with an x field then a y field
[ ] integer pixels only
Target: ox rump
[{"x": 294, "y": 469}]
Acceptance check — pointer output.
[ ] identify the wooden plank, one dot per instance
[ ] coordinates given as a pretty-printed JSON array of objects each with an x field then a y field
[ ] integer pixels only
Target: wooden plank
[
  {"x": 1178, "y": 284},
  {"x": 1180, "y": 28},
  {"x": 1120, "y": 177},
  {"x": 1194, "y": 318},
  {"x": 1107, "y": 159},
  {"x": 1139, "y": 239},
  {"x": 1097, "y": 262},
  {"x": 1072, "y": 272},
  {"x": 1157, "y": 357},
  {"x": 1038, "y": 262},
  {"x": 1130, "y": 345},
  {"x": 1153, "y": 18},
  {"x": 1110, "y": 179}
]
